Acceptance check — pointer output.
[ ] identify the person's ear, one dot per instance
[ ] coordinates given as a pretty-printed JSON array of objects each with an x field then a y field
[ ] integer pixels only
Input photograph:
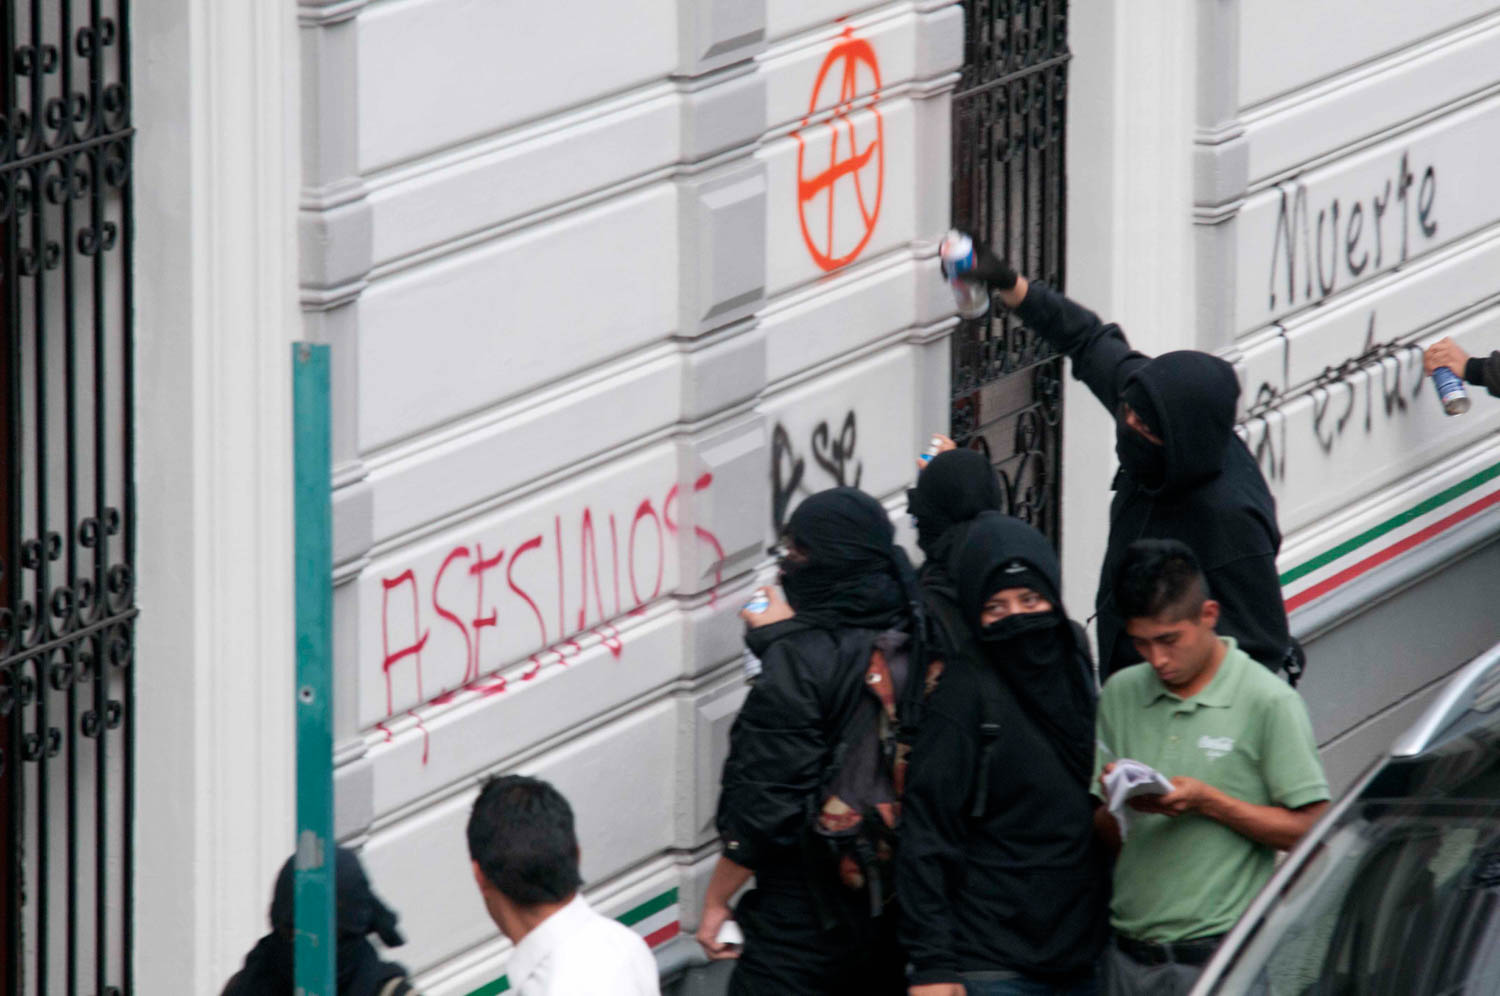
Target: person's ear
[
  {"x": 1210, "y": 615},
  {"x": 479, "y": 878}
]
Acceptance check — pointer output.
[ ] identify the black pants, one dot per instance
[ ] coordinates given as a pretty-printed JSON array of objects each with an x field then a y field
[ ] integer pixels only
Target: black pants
[{"x": 788, "y": 952}]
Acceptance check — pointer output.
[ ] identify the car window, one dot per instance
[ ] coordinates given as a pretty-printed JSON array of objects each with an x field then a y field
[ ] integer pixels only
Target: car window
[{"x": 1401, "y": 896}]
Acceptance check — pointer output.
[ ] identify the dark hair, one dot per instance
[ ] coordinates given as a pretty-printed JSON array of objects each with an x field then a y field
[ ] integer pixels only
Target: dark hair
[
  {"x": 521, "y": 835},
  {"x": 1160, "y": 578}
]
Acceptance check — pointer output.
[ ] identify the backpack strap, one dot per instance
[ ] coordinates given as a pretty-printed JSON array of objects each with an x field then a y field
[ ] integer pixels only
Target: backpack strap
[
  {"x": 919, "y": 658},
  {"x": 856, "y": 720},
  {"x": 989, "y": 732},
  {"x": 813, "y": 856}
]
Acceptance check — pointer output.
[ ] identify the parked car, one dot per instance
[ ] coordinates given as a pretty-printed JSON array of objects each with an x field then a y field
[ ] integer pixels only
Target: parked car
[{"x": 1396, "y": 891}]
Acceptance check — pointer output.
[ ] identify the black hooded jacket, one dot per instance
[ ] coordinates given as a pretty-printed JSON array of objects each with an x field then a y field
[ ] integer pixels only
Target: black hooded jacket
[
  {"x": 954, "y": 488},
  {"x": 1212, "y": 497},
  {"x": 360, "y": 971},
  {"x": 856, "y": 585},
  {"x": 1022, "y": 886}
]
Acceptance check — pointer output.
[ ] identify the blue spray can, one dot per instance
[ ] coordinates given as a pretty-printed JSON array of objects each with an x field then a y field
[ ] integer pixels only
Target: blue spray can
[
  {"x": 1450, "y": 391},
  {"x": 758, "y": 603},
  {"x": 931, "y": 451},
  {"x": 972, "y": 297}
]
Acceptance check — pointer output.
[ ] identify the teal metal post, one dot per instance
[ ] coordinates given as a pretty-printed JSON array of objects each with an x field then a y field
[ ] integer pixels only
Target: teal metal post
[{"x": 315, "y": 865}]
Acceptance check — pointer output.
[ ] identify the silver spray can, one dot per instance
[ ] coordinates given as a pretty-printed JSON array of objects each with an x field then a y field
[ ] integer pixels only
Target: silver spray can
[
  {"x": 758, "y": 603},
  {"x": 1450, "y": 391},
  {"x": 972, "y": 297},
  {"x": 931, "y": 451}
]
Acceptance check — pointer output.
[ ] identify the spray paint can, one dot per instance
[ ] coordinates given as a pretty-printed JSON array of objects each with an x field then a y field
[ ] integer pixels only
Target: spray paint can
[
  {"x": 972, "y": 297},
  {"x": 1450, "y": 391},
  {"x": 759, "y": 602}
]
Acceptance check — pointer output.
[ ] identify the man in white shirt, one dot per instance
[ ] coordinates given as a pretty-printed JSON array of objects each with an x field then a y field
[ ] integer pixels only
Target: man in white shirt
[{"x": 525, "y": 857}]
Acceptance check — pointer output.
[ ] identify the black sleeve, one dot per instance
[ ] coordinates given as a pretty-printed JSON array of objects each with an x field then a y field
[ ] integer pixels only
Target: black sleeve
[
  {"x": 760, "y": 638},
  {"x": 1484, "y": 371},
  {"x": 777, "y": 748},
  {"x": 934, "y": 825},
  {"x": 1248, "y": 591},
  {"x": 1102, "y": 359},
  {"x": 1241, "y": 571}
]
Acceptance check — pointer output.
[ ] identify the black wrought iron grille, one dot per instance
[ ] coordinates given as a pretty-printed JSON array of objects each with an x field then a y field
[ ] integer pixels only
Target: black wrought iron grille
[
  {"x": 1009, "y": 185},
  {"x": 67, "y": 587}
]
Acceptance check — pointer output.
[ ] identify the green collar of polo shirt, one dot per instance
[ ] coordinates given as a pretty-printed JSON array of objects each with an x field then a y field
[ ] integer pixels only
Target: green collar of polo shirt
[{"x": 1220, "y": 692}]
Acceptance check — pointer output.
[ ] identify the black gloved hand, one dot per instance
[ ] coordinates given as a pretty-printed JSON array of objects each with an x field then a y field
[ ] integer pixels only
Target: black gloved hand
[{"x": 988, "y": 268}]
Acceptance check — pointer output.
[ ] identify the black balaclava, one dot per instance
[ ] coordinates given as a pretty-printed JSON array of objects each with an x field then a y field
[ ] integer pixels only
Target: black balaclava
[
  {"x": 855, "y": 575},
  {"x": 1188, "y": 399},
  {"x": 1142, "y": 459},
  {"x": 955, "y": 486},
  {"x": 268, "y": 968},
  {"x": 1035, "y": 653}
]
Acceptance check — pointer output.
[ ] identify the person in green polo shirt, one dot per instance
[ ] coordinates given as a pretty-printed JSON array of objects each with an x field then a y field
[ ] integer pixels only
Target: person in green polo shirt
[{"x": 1236, "y": 742}]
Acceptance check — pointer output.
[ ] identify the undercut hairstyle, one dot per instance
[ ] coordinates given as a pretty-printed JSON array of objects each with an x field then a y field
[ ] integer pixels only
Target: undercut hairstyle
[
  {"x": 1160, "y": 579},
  {"x": 521, "y": 836}
]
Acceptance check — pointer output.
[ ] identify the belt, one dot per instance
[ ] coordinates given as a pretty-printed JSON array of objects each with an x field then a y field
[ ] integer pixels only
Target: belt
[{"x": 1194, "y": 951}]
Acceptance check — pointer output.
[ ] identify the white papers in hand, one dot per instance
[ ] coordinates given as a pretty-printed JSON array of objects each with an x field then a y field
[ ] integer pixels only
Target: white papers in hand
[{"x": 1128, "y": 779}]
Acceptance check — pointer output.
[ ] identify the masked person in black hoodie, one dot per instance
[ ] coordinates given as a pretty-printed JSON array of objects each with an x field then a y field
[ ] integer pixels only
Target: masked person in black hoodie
[
  {"x": 268, "y": 967},
  {"x": 805, "y": 931},
  {"x": 1184, "y": 474},
  {"x": 1003, "y": 884},
  {"x": 953, "y": 488}
]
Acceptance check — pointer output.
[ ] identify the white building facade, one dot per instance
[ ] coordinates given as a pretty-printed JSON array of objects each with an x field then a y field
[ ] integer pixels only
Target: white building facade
[
  {"x": 1344, "y": 217},
  {"x": 609, "y": 287}
]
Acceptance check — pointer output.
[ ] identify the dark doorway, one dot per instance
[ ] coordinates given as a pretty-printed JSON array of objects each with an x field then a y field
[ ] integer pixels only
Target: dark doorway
[{"x": 1009, "y": 185}]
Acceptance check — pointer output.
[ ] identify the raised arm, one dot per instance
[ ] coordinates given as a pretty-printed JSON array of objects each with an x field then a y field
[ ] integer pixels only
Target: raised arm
[
  {"x": 1481, "y": 371},
  {"x": 1101, "y": 356}
]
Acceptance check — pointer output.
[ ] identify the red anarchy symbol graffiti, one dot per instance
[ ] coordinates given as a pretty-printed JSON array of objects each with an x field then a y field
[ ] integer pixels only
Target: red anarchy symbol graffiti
[{"x": 849, "y": 54}]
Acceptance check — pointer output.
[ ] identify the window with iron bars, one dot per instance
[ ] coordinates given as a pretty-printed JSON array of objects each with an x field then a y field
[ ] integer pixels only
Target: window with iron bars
[
  {"x": 67, "y": 587},
  {"x": 1009, "y": 187}
]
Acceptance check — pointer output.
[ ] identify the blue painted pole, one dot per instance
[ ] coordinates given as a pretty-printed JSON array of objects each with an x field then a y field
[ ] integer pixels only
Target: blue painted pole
[{"x": 315, "y": 945}]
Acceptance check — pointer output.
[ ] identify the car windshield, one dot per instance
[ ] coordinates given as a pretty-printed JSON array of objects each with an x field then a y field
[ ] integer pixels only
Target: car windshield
[{"x": 1402, "y": 895}]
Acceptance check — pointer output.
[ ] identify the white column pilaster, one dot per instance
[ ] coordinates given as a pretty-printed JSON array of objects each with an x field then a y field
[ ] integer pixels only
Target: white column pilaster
[
  {"x": 214, "y": 85},
  {"x": 1132, "y": 84}
]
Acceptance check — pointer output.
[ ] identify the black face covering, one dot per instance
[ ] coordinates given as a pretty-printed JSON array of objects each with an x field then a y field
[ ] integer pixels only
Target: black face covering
[
  {"x": 1035, "y": 655},
  {"x": 1142, "y": 459},
  {"x": 361, "y": 972},
  {"x": 1020, "y": 626},
  {"x": 854, "y": 575},
  {"x": 954, "y": 487}
]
